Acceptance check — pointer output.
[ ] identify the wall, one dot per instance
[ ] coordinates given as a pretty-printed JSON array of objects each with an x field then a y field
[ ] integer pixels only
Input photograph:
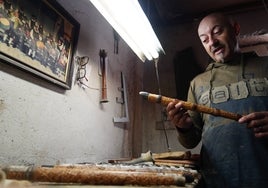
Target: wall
[
  {"x": 174, "y": 39},
  {"x": 41, "y": 123}
]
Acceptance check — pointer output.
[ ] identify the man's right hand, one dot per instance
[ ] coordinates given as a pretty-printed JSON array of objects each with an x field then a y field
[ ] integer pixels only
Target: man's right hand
[{"x": 179, "y": 116}]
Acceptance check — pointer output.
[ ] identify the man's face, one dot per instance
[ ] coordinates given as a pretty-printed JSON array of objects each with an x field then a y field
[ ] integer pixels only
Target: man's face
[{"x": 218, "y": 37}]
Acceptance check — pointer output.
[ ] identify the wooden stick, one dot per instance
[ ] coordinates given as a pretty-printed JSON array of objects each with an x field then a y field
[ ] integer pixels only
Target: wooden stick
[
  {"x": 252, "y": 40},
  {"x": 190, "y": 106},
  {"x": 95, "y": 176}
]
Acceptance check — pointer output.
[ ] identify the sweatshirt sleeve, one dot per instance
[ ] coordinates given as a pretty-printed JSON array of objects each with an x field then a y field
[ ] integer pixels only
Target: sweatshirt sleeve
[{"x": 191, "y": 138}]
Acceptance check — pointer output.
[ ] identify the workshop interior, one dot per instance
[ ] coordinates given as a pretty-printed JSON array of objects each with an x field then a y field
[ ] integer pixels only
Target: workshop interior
[{"x": 80, "y": 88}]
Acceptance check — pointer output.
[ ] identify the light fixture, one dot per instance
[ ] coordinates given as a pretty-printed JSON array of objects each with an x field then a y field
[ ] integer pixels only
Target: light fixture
[{"x": 131, "y": 23}]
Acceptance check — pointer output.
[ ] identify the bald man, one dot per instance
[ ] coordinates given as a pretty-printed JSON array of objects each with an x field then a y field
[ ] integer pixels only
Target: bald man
[{"x": 233, "y": 153}]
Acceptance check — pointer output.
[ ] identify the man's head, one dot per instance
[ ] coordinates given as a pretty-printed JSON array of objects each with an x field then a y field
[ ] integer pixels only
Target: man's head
[{"x": 218, "y": 36}]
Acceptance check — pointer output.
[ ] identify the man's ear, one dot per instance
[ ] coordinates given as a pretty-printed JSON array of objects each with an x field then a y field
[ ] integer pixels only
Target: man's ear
[{"x": 236, "y": 27}]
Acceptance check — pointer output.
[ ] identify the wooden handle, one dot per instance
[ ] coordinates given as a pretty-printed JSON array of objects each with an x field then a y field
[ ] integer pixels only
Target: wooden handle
[{"x": 103, "y": 55}]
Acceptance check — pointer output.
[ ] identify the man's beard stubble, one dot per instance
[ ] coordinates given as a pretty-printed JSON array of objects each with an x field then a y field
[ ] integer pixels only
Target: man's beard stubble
[{"x": 221, "y": 58}]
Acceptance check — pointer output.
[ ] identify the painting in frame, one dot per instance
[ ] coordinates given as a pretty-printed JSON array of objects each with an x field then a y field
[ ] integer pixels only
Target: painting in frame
[{"x": 38, "y": 36}]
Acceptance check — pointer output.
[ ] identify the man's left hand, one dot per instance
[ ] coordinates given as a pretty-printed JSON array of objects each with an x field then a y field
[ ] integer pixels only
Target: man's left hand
[{"x": 258, "y": 122}]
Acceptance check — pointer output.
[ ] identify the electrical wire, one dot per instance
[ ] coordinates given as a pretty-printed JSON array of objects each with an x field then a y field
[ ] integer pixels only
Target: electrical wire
[
  {"x": 265, "y": 5},
  {"x": 159, "y": 92}
]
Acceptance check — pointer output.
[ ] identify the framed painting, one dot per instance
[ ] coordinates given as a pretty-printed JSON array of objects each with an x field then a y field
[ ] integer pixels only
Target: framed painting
[{"x": 38, "y": 36}]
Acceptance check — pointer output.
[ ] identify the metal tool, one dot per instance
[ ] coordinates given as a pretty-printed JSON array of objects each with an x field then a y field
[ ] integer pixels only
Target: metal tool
[{"x": 122, "y": 101}]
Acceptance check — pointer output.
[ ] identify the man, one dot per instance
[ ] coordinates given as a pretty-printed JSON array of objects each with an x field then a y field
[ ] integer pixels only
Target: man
[{"x": 234, "y": 153}]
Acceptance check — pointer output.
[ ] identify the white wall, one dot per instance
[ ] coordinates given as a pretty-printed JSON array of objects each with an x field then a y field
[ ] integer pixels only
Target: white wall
[{"x": 41, "y": 123}]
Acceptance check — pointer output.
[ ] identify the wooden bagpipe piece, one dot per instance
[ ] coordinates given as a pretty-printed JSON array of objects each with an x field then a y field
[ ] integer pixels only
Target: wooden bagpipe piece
[
  {"x": 97, "y": 175},
  {"x": 190, "y": 106}
]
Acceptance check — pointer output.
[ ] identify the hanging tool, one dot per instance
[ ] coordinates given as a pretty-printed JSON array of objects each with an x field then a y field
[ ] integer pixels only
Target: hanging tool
[
  {"x": 123, "y": 101},
  {"x": 116, "y": 41},
  {"x": 103, "y": 56}
]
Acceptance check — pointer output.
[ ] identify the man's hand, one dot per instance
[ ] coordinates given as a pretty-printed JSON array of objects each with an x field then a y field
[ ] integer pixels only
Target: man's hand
[
  {"x": 179, "y": 116},
  {"x": 258, "y": 122}
]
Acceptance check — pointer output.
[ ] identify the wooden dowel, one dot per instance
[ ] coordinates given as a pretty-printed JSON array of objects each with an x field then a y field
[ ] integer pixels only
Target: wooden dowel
[
  {"x": 190, "y": 106},
  {"x": 93, "y": 176}
]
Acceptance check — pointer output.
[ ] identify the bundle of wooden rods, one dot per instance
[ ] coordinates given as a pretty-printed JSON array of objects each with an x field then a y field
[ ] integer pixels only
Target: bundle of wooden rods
[
  {"x": 190, "y": 106},
  {"x": 92, "y": 174}
]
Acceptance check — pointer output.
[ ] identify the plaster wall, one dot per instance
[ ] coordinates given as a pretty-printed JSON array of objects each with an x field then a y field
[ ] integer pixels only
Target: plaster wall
[{"x": 41, "y": 123}]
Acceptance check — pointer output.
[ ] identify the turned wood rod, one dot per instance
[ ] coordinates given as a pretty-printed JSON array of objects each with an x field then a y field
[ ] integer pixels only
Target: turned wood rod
[
  {"x": 190, "y": 106},
  {"x": 93, "y": 176}
]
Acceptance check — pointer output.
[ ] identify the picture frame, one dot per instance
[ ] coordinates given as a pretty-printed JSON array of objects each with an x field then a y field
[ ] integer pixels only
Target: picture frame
[{"x": 39, "y": 36}]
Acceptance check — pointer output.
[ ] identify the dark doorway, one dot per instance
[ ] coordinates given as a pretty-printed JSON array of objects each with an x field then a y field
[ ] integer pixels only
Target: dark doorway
[{"x": 186, "y": 68}]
